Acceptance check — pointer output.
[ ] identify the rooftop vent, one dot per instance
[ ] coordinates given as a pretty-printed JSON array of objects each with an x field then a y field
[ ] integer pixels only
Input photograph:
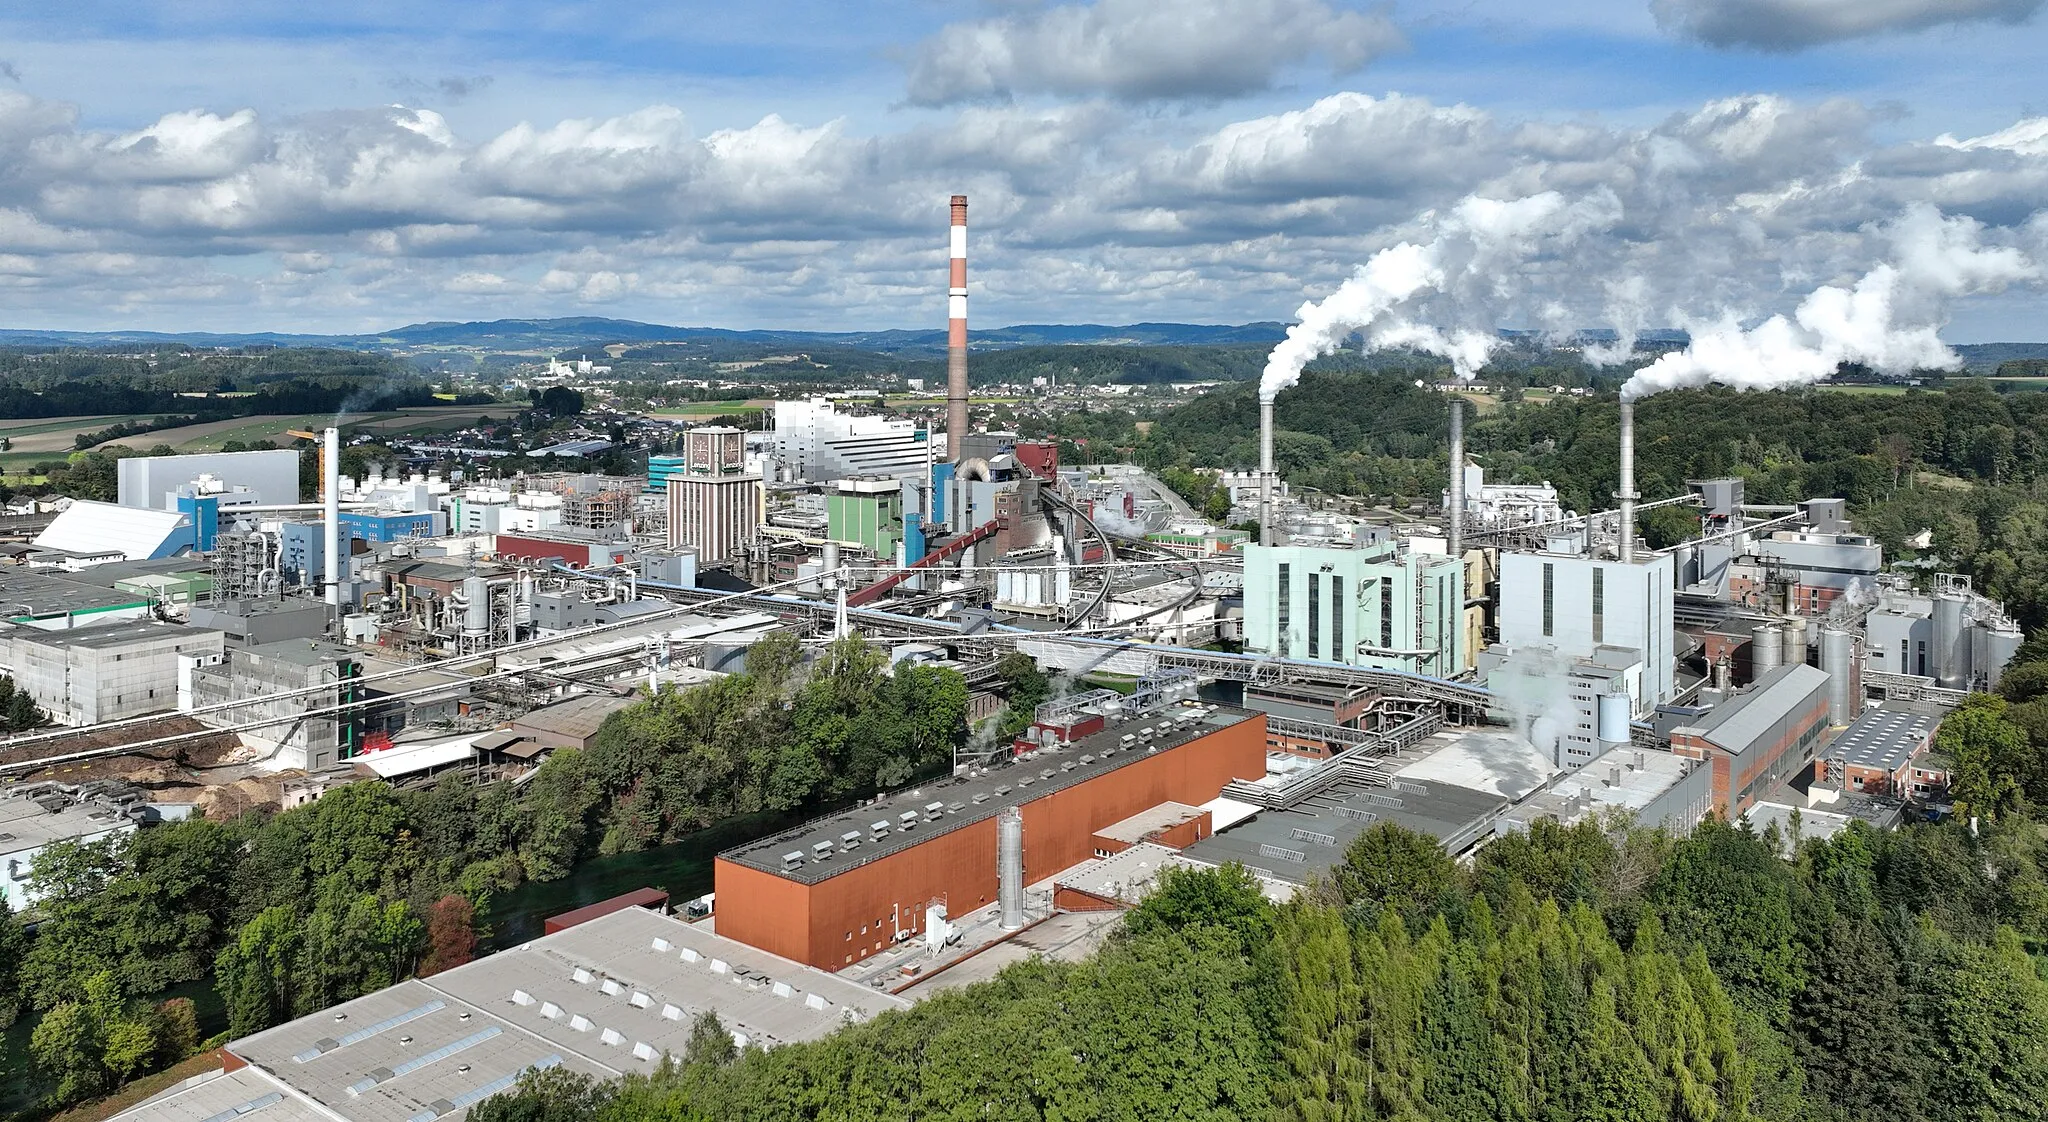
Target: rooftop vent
[
  {"x": 794, "y": 859},
  {"x": 980, "y": 798},
  {"x": 821, "y": 851},
  {"x": 906, "y": 820},
  {"x": 1087, "y": 759},
  {"x": 849, "y": 840},
  {"x": 932, "y": 811},
  {"x": 879, "y": 830}
]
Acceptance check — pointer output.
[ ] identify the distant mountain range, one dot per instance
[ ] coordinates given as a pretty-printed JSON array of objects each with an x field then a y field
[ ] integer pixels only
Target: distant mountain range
[
  {"x": 593, "y": 332},
  {"x": 590, "y": 332}
]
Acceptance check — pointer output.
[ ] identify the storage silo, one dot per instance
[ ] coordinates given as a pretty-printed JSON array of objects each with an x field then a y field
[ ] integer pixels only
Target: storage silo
[{"x": 1766, "y": 649}]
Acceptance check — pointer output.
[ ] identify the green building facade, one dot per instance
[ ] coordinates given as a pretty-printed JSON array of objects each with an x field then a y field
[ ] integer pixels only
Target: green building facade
[
  {"x": 1381, "y": 607},
  {"x": 867, "y": 513}
]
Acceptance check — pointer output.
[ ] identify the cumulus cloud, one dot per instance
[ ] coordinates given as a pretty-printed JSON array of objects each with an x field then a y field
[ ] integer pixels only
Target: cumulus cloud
[
  {"x": 1136, "y": 50},
  {"x": 1791, "y": 25},
  {"x": 1085, "y": 209}
]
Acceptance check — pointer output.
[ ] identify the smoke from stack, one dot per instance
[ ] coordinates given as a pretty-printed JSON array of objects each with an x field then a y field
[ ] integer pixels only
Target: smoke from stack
[
  {"x": 956, "y": 336},
  {"x": 1889, "y": 320}
]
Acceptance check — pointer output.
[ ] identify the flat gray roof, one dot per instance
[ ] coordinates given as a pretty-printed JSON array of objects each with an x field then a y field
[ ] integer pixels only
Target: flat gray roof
[
  {"x": 946, "y": 805},
  {"x": 605, "y": 997},
  {"x": 114, "y": 635},
  {"x": 26, "y": 824},
  {"x": 1885, "y": 736},
  {"x": 242, "y": 1093},
  {"x": 1309, "y": 838}
]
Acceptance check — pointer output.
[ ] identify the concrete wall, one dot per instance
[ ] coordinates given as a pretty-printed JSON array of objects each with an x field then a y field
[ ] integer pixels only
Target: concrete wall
[{"x": 145, "y": 480}]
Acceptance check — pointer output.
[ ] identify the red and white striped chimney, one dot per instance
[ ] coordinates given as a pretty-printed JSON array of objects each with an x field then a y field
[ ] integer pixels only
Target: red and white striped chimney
[{"x": 956, "y": 337}]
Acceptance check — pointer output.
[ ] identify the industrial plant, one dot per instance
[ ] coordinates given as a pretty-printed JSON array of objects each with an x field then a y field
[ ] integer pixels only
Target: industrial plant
[{"x": 1464, "y": 673}]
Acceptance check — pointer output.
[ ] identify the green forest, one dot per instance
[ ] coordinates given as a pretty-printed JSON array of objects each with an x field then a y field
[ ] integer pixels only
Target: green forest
[
  {"x": 1567, "y": 974},
  {"x": 292, "y": 912}
]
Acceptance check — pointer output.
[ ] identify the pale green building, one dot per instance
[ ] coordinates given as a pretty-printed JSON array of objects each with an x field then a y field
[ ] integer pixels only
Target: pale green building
[
  {"x": 1384, "y": 606},
  {"x": 868, "y": 513}
]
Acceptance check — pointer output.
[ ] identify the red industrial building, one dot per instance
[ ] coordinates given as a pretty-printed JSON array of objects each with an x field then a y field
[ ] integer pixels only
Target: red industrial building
[
  {"x": 837, "y": 890},
  {"x": 1761, "y": 737}
]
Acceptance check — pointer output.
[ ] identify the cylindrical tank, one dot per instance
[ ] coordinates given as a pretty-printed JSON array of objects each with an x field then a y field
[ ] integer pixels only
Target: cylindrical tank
[
  {"x": 1838, "y": 658},
  {"x": 1613, "y": 725},
  {"x": 1686, "y": 560},
  {"x": 476, "y": 617},
  {"x": 832, "y": 565},
  {"x": 1795, "y": 642},
  {"x": 1766, "y": 649},
  {"x": 1948, "y": 636},
  {"x": 1010, "y": 867}
]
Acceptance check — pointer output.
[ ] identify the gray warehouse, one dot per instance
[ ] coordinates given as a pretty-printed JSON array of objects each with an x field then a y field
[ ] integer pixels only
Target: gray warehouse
[{"x": 107, "y": 673}]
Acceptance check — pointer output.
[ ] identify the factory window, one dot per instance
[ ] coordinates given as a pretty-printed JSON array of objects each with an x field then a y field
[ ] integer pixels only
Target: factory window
[
  {"x": 1315, "y": 615},
  {"x": 849, "y": 936},
  {"x": 1337, "y": 619},
  {"x": 1386, "y": 611},
  {"x": 1920, "y": 653},
  {"x": 1286, "y": 589},
  {"x": 1599, "y": 606},
  {"x": 1549, "y": 578}
]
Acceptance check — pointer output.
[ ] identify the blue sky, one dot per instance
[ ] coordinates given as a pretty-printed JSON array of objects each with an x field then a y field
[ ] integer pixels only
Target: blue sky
[{"x": 274, "y": 165}]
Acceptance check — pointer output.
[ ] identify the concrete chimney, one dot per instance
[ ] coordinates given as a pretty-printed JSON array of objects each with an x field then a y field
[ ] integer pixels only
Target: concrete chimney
[
  {"x": 1454, "y": 518},
  {"x": 956, "y": 337},
  {"x": 1266, "y": 471},
  {"x": 330, "y": 511},
  {"x": 1625, "y": 547}
]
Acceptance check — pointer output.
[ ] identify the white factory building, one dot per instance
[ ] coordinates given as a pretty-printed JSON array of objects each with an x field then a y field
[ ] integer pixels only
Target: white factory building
[
  {"x": 815, "y": 443},
  {"x": 1582, "y": 607},
  {"x": 151, "y": 482}
]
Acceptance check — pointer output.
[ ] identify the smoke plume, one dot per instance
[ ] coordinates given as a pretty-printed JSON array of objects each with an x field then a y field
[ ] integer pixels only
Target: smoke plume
[
  {"x": 1889, "y": 320},
  {"x": 1445, "y": 295}
]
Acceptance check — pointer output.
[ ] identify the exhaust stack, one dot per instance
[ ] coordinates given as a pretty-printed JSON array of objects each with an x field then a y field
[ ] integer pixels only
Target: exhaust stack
[
  {"x": 956, "y": 337},
  {"x": 1454, "y": 519},
  {"x": 1266, "y": 471},
  {"x": 1625, "y": 546},
  {"x": 330, "y": 511}
]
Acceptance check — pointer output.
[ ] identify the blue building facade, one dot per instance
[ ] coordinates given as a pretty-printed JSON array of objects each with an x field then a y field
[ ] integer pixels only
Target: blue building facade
[{"x": 382, "y": 528}]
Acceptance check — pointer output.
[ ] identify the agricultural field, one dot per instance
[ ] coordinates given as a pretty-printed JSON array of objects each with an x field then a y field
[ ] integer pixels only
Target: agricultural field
[
  {"x": 33, "y": 440},
  {"x": 210, "y": 435}
]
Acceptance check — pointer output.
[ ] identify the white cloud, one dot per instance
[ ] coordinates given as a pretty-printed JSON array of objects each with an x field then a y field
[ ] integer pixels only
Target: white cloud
[
  {"x": 1790, "y": 25},
  {"x": 1140, "y": 49},
  {"x": 1081, "y": 210}
]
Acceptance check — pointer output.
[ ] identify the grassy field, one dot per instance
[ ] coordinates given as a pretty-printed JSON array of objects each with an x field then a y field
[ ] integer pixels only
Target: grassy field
[
  {"x": 712, "y": 408},
  {"x": 1865, "y": 390}
]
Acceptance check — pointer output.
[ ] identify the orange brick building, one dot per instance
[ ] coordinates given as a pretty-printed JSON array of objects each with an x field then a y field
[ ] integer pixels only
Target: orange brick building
[{"x": 837, "y": 890}]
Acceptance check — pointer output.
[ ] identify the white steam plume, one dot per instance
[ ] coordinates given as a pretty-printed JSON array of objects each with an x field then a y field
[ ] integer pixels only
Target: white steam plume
[
  {"x": 1445, "y": 295},
  {"x": 1889, "y": 320}
]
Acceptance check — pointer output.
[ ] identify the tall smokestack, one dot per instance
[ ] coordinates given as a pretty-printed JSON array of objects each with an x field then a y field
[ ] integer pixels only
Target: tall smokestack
[
  {"x": 1454, "y": 519},
  {"x": 956, "y": 337},
  {"x": 1626, "y": 546},
  {"x": 1266, "y": 471},
  {"x": 330, "y": 511}
]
